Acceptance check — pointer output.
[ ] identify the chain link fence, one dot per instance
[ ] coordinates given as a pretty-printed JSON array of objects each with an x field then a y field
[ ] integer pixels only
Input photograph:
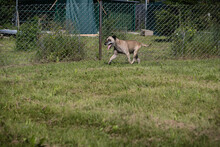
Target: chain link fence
[{"x": 70, "y": 32}]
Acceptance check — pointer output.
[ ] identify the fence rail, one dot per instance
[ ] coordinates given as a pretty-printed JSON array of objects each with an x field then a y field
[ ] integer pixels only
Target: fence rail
[{"x": 63, "y": 32}]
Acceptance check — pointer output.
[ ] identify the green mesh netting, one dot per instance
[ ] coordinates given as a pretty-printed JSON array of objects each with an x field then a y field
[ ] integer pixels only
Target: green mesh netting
[{"x": 80, "y": 16}]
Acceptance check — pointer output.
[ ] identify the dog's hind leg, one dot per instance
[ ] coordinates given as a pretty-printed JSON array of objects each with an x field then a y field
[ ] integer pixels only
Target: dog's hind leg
[
  {"x": 128, "y": 56},
  {"x": 138, "y": 59},
  {"x": 134, "y": 59}
]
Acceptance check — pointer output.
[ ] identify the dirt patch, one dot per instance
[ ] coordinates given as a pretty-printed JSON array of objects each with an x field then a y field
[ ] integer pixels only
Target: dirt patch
[
  {"x": 166, "y": 124},
  {"x": 181, "y": 125}
]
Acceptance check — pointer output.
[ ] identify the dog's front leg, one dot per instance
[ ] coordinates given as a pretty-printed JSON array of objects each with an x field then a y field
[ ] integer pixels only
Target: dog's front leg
[
  {"x": 135, "y": 57},
  {"x": 113, "y": 57}
]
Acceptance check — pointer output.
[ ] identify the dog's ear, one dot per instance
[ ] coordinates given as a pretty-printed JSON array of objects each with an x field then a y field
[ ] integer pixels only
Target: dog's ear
[{"x": 114, "y": 37}]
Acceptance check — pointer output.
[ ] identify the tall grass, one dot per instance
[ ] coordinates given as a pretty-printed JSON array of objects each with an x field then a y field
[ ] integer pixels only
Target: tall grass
[
  {"x": 188, "y": 42},
  {"x": 60, "y": 47},
  {"x": 27, "y": 36}
]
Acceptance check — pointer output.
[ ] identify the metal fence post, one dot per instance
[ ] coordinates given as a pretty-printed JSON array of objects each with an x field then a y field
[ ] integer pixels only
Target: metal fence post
[
  {"x": 17, "y": 16},
  {"x": 100, "y": 29},
  {"x": 145, "y": 14}
]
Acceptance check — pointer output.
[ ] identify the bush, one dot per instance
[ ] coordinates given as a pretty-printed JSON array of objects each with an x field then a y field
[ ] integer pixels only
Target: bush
[
  {"x": 181, "y": 37},
  {"x": 60, "y": 47},
  {"x": 27, "y": 36},
  {"x": 110, "y": 29},
  {"x": 203, "y": 44},
  {"x": 7, "y": 17},
  {"x": 166, "y": 21},
  {"x": 188, "y": 42}
]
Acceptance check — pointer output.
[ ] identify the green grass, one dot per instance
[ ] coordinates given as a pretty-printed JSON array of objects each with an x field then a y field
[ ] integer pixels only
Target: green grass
[
  {"x": 10, "y": 57},
  {"x": 89, "y": 103}
]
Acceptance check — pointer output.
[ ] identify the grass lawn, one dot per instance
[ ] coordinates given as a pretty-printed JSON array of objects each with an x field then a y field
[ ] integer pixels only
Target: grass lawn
[{"x": 89, "y": 103}]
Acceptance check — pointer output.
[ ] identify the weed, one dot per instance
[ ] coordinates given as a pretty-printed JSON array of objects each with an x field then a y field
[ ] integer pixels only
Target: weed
[
  {"x": 59, "y": 47},
  {"x": 27, "y": 36}
]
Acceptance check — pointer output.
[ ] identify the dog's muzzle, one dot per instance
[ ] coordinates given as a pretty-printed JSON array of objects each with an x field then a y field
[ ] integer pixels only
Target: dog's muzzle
[{"x": 109, "y": 44}]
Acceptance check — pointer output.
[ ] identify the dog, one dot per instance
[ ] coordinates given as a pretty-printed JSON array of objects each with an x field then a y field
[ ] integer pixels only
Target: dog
[{"x": 126, "y": 47}]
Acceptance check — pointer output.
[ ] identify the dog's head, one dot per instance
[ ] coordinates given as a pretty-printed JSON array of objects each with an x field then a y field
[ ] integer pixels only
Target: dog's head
[{"x": 110, "y": 41}]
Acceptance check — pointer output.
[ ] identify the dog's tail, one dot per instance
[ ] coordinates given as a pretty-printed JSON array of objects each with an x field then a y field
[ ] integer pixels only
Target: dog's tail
[{"x": 145, "y": 45}]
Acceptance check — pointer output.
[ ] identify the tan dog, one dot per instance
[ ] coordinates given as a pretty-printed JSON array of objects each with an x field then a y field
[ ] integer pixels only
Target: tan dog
[{"x": 126, "y": 47}]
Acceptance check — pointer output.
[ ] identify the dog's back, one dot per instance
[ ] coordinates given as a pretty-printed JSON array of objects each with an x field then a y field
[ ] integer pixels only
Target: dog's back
[{"x": 132, "y": 44}]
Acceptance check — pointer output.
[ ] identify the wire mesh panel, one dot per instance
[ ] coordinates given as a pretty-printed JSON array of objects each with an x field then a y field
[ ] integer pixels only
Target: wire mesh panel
[
  {"x": 174, "y": 31},
  {"x": 69, "y": 32},
  {"x": 49, "y": 33}
]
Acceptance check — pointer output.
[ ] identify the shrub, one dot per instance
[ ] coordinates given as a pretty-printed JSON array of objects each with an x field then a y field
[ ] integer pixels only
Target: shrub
[
  {"x": 188, "y": 42},
  {"x": 27, "y": 36},
  {"x": 181, "y": 37},
  {"x": 110, "y": 28},
  {"x": 166, "y": 21},
  {"x": 7, "y": 15},
  {"x": 203, "y": 44},
  {"x": 60, "y": 47}
]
